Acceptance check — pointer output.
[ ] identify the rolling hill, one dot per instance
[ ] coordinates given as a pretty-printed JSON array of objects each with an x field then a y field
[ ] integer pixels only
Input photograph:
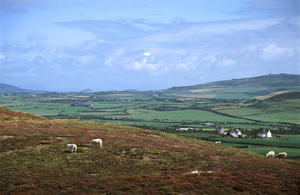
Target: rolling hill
[
  {"x": 239, "y": 88},
  {"x": 5, "y": 88},
  {"x": 34, "y": 159},
  {"x": 229, "y": 89}
]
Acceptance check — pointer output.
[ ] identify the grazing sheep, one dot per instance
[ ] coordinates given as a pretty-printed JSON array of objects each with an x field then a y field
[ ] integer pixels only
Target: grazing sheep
[
  {"x": 218, "y": 142},
  {"x": 270, "y": 154},
  {"x": 97, "y": 141},
  {"x": 73, "y": 147},
  {"x": 282, "y": 155},
  {"x": 194, "y": 172}
]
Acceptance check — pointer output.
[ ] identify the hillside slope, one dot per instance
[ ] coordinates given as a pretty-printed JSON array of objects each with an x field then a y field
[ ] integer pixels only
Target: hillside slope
[
  {"x": 281, "y": 106},
  {"x": 33, "y": 158},
  {"x": 240, "y": 88}
]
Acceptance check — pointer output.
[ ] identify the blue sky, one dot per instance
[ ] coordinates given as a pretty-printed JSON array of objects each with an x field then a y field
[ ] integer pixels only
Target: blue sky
[{"x": 67, "y": 45}]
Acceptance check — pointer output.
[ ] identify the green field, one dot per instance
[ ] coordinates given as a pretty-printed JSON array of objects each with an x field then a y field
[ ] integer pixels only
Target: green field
[
  {"x": 278, "y": 143},
  {"x": 269, "y": 111},
  {"x": 182, "y": 115},
  {"x": 157, "y": 111}
]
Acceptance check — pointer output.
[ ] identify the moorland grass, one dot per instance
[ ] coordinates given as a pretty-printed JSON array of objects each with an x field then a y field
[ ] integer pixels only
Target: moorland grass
[{"x": 132, "y": 161}]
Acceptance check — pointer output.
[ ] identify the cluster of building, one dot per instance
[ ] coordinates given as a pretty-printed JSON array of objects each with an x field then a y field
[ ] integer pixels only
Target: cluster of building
[
  {"x": 237, "y": 133},
  {"x": 232, "y": 133}
]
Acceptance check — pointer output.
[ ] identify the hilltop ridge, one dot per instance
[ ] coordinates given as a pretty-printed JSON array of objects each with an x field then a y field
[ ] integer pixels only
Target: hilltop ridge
[
  {"x": 240, "y": 88},
  {"x": 34, "y": 159},
  {"x": 274, "y": 80}
]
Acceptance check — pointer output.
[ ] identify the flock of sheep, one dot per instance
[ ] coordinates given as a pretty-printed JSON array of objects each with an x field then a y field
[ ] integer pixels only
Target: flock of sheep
[
  {"x": 73, "y": 147},
  {"x": 269, "y": 154},
  {"x": 279, "y": 155}
]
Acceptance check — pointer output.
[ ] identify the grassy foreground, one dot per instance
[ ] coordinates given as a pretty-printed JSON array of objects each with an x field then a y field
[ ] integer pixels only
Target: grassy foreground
[{"x": 34, "y": 159}]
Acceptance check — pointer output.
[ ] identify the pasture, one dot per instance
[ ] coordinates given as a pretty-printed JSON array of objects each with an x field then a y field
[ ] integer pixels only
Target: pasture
[
  {"x": 278, "y": 143},
  {"x": 156, "y": 111}
]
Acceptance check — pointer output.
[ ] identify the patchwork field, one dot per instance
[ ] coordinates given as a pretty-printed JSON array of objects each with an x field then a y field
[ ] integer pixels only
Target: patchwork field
[
  {"x": 278, "y": 143},
  {"x": 286, "y": 110},
  {"x": 150, "y": 111}
]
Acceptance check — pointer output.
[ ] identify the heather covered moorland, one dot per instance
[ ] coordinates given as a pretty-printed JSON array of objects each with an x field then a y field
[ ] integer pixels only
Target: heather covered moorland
[{"x": 34, "y": 159}]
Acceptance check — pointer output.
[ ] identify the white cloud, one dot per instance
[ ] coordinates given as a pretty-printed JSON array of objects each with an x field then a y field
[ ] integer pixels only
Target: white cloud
[
  {"x": 2, "y": 57},
  {"x": 147, "y": 54},
  {"x": 108, "y": 61},
  {"x": 272, "y": 51},
  {"x": 238, "y": 25},
  {"x": 144, "y": 64}
]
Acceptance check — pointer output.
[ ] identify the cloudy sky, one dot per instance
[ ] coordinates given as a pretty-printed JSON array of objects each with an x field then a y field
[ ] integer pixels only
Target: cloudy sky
[{"x": 67, "y": 45}]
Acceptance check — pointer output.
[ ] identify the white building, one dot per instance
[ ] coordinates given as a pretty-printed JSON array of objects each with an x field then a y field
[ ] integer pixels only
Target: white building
[
  {"x": 265, "y": 134},
  {"x": 269, "y": 134}
]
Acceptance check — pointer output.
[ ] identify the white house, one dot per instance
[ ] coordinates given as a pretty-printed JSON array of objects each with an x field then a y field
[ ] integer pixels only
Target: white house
[
  {"x": 220, "y": 130},
  {"x": 238, "y": 132},
  {"x": 233, "y": 134},
  {"x": 269, "y": 134},
  {"x": 265, "y": 134},
  {"x": 183, "y": 129}
]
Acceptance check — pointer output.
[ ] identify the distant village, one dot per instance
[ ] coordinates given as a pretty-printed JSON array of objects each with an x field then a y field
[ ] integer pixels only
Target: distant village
[{"x": 237, "y": 133}]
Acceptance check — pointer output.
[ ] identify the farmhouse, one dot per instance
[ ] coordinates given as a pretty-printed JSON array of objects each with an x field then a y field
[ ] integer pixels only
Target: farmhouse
[
  {"x": 265, "y": 134},
  {"x": 233, "y": 134},
  {"x": 185, "y": 129},
  {"x": 220, "y": 130}
]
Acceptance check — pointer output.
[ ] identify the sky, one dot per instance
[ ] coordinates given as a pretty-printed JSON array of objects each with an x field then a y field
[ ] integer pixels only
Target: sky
[{"x": 72, "y": 45}]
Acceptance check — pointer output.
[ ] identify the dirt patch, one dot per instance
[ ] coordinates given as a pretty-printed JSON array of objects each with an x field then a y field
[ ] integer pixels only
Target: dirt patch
[
  {"x": 204, "y": 90},
  {"x": 5, "y": 137},
  {"x": 264, "y": 97}
]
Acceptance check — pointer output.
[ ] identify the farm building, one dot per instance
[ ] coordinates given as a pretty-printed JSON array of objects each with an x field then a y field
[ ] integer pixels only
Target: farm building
[
  {"x": 265, "y": 134},
  {"x": 184, "y": 129},
  {"x": 238, "y": 132},
  {"x": 233, "y": 134},
  {"x": 220, "y": 130}
]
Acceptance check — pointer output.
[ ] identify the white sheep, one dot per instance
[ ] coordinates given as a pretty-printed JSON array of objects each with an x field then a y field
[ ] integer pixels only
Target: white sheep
[
  {"x": 194, "y": 172},
  {"x": 97, "y": 141},
  {"x": 270, "y": 154},
  {"x": 282, "y": 155},
  {"x": 73, "y": 147},
  {"x": 218, "y": 142}
]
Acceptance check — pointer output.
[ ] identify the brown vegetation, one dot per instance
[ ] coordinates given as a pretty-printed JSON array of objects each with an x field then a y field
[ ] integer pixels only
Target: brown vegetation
[{"x": 34, "y": 160}]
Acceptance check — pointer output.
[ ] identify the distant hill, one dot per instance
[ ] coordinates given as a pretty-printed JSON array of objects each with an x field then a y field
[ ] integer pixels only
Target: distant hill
[
  {"x": 35, "y": 159},
  {"x": 239, "y": 88},
  {"x": 6, "y": 88}
]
